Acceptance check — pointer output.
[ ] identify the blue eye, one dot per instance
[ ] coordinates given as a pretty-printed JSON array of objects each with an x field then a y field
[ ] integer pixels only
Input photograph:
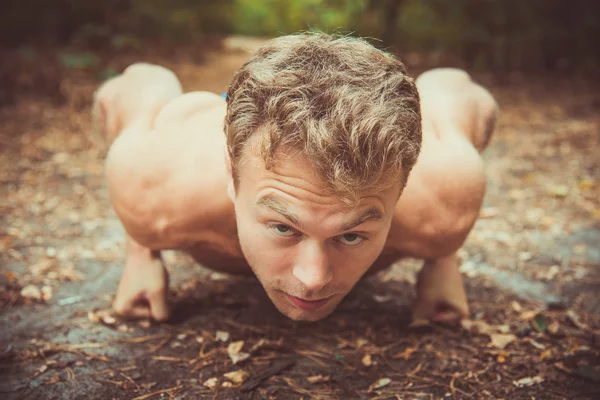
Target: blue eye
[
  {"x": 282, "y": 230},
  {"x": 350, "y": 239}
]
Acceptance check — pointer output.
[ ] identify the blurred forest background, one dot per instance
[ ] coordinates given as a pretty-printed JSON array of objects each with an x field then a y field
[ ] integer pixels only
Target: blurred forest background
[{"x": 496, "y": 35}]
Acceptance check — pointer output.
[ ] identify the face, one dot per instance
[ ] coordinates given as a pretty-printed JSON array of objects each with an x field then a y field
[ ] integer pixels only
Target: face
[{"x": 307, "y": 247}]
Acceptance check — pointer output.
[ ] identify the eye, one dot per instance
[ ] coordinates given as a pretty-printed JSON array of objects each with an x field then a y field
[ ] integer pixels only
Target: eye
[
  {"x": 282, "y": 230},
  {"x": 351, "y": 239}
]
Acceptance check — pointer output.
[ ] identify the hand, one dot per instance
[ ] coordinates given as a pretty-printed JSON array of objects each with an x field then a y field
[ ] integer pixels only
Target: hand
[
  {"x": 143, "y": 289},
  {"x": 441, "y": 295}
]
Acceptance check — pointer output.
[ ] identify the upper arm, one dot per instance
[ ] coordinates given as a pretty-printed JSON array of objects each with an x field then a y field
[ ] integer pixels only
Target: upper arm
[{"x": 439, "y": 208}]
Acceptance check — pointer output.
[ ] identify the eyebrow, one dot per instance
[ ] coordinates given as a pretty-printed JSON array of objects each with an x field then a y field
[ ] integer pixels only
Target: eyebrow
[
  {"x": 280, "y": 206},
  {"x": 371, "y": 214}
]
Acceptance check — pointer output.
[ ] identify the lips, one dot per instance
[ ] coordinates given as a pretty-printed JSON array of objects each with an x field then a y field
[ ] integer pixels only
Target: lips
[{"x": 309, "y": 305}]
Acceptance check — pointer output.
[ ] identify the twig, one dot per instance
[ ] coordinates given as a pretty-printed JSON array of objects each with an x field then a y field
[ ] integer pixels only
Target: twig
[
  {"x": 146, "y": 396},
  {"x": 141, "y": 339},
  {"x": 275, "y": 369}
]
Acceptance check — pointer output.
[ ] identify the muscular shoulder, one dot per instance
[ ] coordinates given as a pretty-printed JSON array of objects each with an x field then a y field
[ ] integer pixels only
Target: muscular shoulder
[
  {"x": 159, "y": 185},
  {"x": 441, "y": 202}
]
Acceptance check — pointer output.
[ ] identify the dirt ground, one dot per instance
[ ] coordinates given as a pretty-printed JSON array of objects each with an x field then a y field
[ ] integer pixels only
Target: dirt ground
[{"x": 532, "y": 267}]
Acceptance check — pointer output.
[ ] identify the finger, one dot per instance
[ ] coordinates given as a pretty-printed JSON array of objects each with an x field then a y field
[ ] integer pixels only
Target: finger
[
  {"x": 450, "y": 313},
  {"x": 158, "y": 305},
  {"x": 422, "y": 313},
  {"x": 130, "y": 310}
]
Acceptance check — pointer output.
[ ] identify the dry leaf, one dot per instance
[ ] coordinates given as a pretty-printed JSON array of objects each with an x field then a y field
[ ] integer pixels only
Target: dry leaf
[
  {"x": 227, "y": 384},
  {"x": 31, "y": 292},
  {"x": 529, "y": 381},
  {"x": 535, "y": 344},
  {"x": 42, "y": 267},
  {"x": 366, "y": 360},
  {"x": 239, "y": 357},
  {"x": 317, "y": 379},
  {"x": 527, "y": 315},
  {"x": 502, "y": 357},
  {"x": 102, "y": 316},
  {"x": 238, "y": 377},
  {"x": 379, "y": 384},
  {"x": 210, "y": 383},
  {"x": 546, "y": 354},
  {"x": 222, "y": 336},
  {"x": 553, "y": 327},
  {"x": 235, "y": 347},
  {"x": 479, "y": 327},
  {"x": 47, "y": 293},
  {"x": 516, "y": 306},
  {"x": 501, "y": 340},
  {"x": 361, "y": 342}
]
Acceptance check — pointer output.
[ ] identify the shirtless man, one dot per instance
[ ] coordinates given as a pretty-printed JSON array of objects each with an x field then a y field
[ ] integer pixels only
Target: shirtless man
[{"x": 301, "y": 177}]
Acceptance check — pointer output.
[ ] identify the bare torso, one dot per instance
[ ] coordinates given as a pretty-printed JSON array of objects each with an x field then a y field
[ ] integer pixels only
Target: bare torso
[
  {"x": 186, "y": 195},
  {"x": 167, "y": 179}
]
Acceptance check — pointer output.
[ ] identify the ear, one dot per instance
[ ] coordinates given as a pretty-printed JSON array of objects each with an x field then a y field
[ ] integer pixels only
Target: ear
[{"x": 230, "y": 183}]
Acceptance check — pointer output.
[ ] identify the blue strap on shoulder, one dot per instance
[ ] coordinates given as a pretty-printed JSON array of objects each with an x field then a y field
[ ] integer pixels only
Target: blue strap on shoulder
[{"x": 224, "y": 96}]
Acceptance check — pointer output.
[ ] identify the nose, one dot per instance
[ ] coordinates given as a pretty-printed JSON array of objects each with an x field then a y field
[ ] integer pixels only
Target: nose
[{"x": 312, "y": 267}]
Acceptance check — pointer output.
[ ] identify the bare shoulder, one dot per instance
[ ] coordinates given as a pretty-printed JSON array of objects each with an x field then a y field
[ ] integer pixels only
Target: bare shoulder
[
  {"x": 441, "y": 201},
  {"x": 164, "y": 180}
]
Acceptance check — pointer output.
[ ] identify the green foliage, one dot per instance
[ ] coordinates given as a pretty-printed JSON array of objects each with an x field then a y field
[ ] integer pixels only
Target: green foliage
[
  {"x": 275, "y": 17},
  {"x": 77, "y": 60},
  {"x": 497, "y": 34}
]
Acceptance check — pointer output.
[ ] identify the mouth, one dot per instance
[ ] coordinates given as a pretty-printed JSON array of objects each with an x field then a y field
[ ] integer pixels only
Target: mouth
[{"x": 308, "y": 305}]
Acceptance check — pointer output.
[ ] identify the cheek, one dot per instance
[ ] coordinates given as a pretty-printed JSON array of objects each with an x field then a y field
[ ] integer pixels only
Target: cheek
[{"x": 259, "y": 247}]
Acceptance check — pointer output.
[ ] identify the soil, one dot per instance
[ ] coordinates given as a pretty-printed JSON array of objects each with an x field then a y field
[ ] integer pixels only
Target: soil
[{"x": 532, "y": 267}]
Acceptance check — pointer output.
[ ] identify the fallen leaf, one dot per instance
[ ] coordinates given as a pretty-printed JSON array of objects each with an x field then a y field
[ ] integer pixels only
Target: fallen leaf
[
  {"x": 379, "y": 384},
  {"x": 527, "y": 315},
  {"x": 318, "y": 379},
  {"x": 235, "y": 347},
  {"x": 210, "y": 383},
  {"x": 535, "y": 344},
  {"x": 227, "y": 384},
  {"x": 479, "y": 327},
  {"x": 47, "y": 293},
  {"x": 366, "y": 360},
  {"x": 102, "y": 316},
  {"x": 501, "y": 340},
  {"x": 502, "y": 357},
  {"x": 31, "y": 292},
  {"x": 222, "y": 336},
  {"x": 529, "y": 381},
  {"x": 553, "y": 327},
  {"x": 516, "y": 306},
  {"x": 546, "y": 354},
  {"x": 239, "y": 357},
  {"x": 539, "y": 323},
  {"x": 361, "y": 342},
  {"x": 238, "y": 377}
]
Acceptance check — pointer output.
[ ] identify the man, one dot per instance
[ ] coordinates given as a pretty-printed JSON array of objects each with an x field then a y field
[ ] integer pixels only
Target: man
[{"x": 301, "y": 176}]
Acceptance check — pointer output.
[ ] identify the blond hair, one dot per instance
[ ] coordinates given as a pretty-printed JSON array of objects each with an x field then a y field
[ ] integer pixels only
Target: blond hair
[{"x": 350, "y": 108}]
